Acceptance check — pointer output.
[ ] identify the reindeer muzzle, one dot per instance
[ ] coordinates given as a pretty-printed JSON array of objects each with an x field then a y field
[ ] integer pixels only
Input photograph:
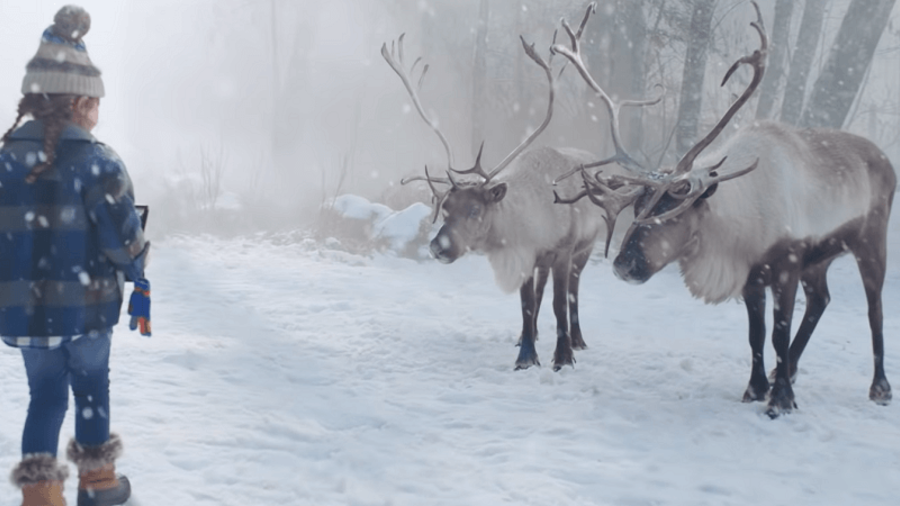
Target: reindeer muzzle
[
  {"x": 632, "y": 267},
  {"x": 442, "y": 249}
]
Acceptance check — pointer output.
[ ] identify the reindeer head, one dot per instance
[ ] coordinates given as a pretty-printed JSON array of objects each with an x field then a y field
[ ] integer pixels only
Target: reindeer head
[
  {"x": 648, "y": 246},
  {"x": 669, "y": 209},
  {"x": 466, "y": 206},
  {"x": 467, "y": 211},
  {"x": 667, "y": 202}
]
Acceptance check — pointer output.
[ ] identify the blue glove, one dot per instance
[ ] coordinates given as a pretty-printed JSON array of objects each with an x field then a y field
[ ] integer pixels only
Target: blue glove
[{"x": 139, "y": 307}]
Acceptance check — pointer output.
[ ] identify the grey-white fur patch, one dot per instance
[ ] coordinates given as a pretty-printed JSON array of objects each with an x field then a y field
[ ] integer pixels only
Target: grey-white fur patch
[
  {"x": 90, "y": 458},
  {"x": 38, "y": 467}
]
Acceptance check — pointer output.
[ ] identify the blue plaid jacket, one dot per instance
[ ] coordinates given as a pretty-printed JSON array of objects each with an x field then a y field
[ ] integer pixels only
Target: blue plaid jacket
[{"x": 68, "y": 241}]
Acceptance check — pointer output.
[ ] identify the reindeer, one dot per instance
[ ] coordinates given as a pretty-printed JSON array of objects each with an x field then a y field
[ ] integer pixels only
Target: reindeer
[
  {"x": 508, "y": 214},
  {"x": 799, "y": 198}
]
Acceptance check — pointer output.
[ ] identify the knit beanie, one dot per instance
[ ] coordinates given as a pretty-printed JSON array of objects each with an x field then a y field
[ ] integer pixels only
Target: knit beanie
[{"x": 61, "y": 64}]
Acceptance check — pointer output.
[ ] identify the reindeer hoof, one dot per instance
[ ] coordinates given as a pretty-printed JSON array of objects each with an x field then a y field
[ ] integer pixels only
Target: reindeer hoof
[
  {"x": 561, "y": 358},
  {"x": 527, "y": 356},
  {"x": 557, "y": 367},
  {"x": 578, "y": 343},
  {"x": 777, "y": 407},
  {"x": 751, "y": 395},
  {"x": 776, "y": 411},
  {"x": 880, "y": 393},
  {"x": 526, "y": 360},
  {"x": 781, "y": 400},
  {"x": 756, "y": 391}
]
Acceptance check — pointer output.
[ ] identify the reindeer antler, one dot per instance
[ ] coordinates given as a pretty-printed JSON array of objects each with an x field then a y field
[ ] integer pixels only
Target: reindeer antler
[
  {"x": 488, "y": 175},
  {"x": 437, "y": 197},
  {"x": 689, "y": 184},
  {"x": 476, "y": 169},
  {"x": 757, "y": 60},
  {"x": 613, "y": 195},
  {"x": 397, "y": 65},
  {"x": 574, "y": 55}
]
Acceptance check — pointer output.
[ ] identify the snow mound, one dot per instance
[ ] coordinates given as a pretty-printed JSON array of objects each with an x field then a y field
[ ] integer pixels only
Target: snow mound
[{"x": 369, "y": 225}]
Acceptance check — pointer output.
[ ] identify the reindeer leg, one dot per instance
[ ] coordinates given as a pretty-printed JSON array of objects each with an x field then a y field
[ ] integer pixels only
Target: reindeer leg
[
  {"x": 563, "y": 355},
  {"x": 543, "y": 272},
  {"x": 815, "y": 285},
  {"x": 579, "y": 260},
  {"x": 784, "y": 292},
  {"x": 872, "y": 268},
  {"x": 755, "y": 301},
  {"x": 527, "y": 354}
]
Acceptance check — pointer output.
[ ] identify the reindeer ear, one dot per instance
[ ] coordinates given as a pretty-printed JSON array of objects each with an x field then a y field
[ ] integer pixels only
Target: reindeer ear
[{"x": 497, "y": 192}]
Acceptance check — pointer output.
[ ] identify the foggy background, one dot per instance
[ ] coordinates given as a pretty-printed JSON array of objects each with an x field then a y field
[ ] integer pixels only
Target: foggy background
[{"x": 236, "y": 116}]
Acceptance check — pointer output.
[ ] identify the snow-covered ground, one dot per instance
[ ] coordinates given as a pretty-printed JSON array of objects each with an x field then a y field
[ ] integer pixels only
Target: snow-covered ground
[{"x": 289, "y": 373}]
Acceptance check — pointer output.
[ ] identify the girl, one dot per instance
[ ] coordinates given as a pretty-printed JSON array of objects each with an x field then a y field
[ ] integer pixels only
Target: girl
[{"x": 69, "y": 238}]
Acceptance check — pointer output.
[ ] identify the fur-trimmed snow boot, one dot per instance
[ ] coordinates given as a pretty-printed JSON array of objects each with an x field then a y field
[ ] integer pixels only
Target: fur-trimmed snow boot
[
  {"x": 41, "y": 477},
  {"x": 98, "y": 483}
]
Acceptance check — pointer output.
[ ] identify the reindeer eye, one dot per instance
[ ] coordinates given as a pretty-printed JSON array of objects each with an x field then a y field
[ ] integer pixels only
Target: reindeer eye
[
  {"x": 683, "y": 188},
  {"x": 474, "y": 211}
]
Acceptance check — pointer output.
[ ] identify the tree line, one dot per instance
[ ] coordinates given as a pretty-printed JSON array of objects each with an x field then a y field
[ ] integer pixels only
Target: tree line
[{"x": 633, "y": 45}]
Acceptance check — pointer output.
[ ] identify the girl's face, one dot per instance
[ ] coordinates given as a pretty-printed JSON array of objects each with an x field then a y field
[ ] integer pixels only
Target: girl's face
[{"x": 86, "y": 112}]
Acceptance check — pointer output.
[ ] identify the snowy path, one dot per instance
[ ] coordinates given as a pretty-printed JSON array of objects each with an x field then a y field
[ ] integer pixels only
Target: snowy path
[{"x": 288, "y": 375}]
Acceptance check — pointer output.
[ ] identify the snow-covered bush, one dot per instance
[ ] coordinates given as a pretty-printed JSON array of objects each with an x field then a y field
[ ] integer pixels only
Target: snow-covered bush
[{"x": 355, "y": 224}]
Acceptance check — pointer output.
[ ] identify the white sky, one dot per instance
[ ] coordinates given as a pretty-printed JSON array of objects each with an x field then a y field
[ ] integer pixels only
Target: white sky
[{"x": 189, "y": 76}]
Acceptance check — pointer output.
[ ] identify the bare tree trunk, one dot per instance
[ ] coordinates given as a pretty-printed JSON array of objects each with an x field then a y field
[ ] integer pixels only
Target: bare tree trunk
[
  {"x": 635, "y": 33},
  {"x": 781, "y": 31},
  {"x": 291, "y": 46},
  {"x": 850, "y": 56},
  {"x": 804, "y": 52},
  {"x": 694, "y": 71},
  {"x": 479, "y": 76},
  {"x": 275, "y": 80}
]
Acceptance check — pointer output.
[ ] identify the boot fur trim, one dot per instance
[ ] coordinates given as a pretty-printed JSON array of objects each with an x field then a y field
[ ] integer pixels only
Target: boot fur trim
[
  {"x": 91, "y": 458},
  {"x": 38, "y": 467}
]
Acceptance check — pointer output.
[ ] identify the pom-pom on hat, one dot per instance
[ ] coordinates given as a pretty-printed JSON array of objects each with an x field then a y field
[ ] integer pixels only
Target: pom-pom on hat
[{"x": 61, "y": 64}]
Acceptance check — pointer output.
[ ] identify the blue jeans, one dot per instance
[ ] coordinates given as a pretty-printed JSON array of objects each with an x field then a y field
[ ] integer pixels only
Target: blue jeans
[{"x": 82, "y": 363}]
